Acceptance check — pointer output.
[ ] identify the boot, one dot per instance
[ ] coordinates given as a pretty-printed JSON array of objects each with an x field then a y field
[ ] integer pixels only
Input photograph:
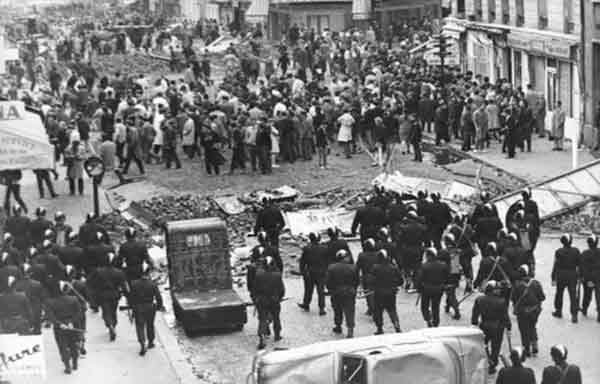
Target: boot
[
  {"x": 304, "y": 307},
  {"x": 151, "y": 344},
  {"x": 112, "y": 333},
  {"x": 261, "y": 343},
  {"x": 584, "y": 311},
  {"x": 574, "y": 319},
  {"x": 557, "y": 314},
  {"x": 74, "y": 364},
  {"x": 379, "y": 331},
  {"x": 142, "y": 350},
  {"x": 277, "y": 336},
  {"x": 527, "y": 351},
  {"x": 322, "y": 312},
  {"x": 534, "y": 348},
  {"x": 456, "y": 314},
  {"x": 350, "y": 333},
  {"x": 82, "y": 350},
  {"x": 397, "y": 327},
  {"x": 337, "y": 330},
  {"x": 598, "y": 318},
  {"x": 67, "y": 368},
  {"x": 447, "y": 308},
  {"x": 469, "y": 286}
]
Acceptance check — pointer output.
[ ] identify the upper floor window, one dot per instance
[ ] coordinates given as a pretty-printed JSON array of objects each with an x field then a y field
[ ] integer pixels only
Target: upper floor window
[
  {"x": 491, "y": 10},
  {"x": 520, "y": 11},
  {"x": 542, "y": 6},
  {"x": 568, "y": 12},
  {"x": 505, "y": 12}
]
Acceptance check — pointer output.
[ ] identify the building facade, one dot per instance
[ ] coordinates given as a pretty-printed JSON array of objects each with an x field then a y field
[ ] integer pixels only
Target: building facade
[
  {"x": 591, "y": 54},
  {"x": 533, "y": 42}
]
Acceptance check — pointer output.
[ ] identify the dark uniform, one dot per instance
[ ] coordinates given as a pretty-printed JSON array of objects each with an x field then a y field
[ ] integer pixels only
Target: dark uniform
[
  {"x": 5, "y": 272},
  {"x": 333, "y": 246},
  {"x": 342, "y": 281},
  {"x": 18, "y": 226},
  {"x": 365, "y": 263},
  {"x": 565, "y": 273},
  {"x": 516, "y": 375},
  {"x": 451, "y": 256},
  {"x": 440, "y": 217},
  {"x": 386, "y": 279},
  {"x": 15, "y": 312},
  {"x": 108, "y": 283},
  {"x": 270, "y": 219},
  {"x": 411, "y": 236},
  {"x": 486, "y": 229},
  {"x": 37, "y": 227},
  {"x": 35, "y": 294},
  {"x": 313, "y": 267},
  {"x": 517, "y": 255},
  {"x": 590, "y": 271},
  {"x": 71, "y": 254},
  {"x": 495, "y": 268},
  {"x": 370, "y": 218},
  {"x": 134, "y": 253},
  {"x": 144, "y": 299},
  {"x": 64, "y": 310},
  {"x": 527, "y": 298},
  {"x": 267, "y": 293},
  {"x": 490, "y": 312},
  {"x": 463, "y": 233},
  {"x": 431, "y": 284}
]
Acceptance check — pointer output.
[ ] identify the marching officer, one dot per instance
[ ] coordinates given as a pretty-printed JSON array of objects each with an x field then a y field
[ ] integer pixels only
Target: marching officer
[
  {"x": 19, "y": 226},
  {"x": 590, "y": 271},
  {"x": 15, "y": 257},
  {"x": 266, "y": 249},
  {"x": 335, "y": 244},
  {"x": 15, "y": 310},
  {"x": 35, "y": 294},
  {"x": 370, "y": 218},
  {"x": 71, "y": 253},
  {"x": 463, "y": 234},
  {"x": 411, "y": 238},
  {"x": 480, "y": 209},
  {"x": 565, "y": 274},
  {"x": 561, "y": 372},
  {"x": 384, "y": 242},
  {"x": 88, "y": 232},
  {"x": 450, "y": 254},
  {"x": 490, "y": 313},
  {"x": 39, "y": 226},
  {"x": 62, "y": 230},
  {"x": 268, "y": 292},
  {"x": 496, "y": 268},
  {"x": 144, "y": 299},
  {"x": 342, "y": 280},
  {"x": 527, "y": 298},
  {"x": 270, "y": 219},
  {"x": 396, "y": 211},
  {"x": 386, "y": 279},
  {"x": 365, "y": 263},
  {"x": 487, "y": 226},
  {"x": 7, "y": 269},
  {"x": 64, "y": 310},
  {"x": 516, "y": 373},
  {"x": 431, "y": 282},
  {"x": 78, "y": 289},
  {"x": 108, "y": 283},
  {"x": 96, "y": 255},
  {"x": 440, "y": 217},
  {"x": 134, "y": 254},
  {"x": 532, "y": 214},
  {"x": 313, "y": 267}
]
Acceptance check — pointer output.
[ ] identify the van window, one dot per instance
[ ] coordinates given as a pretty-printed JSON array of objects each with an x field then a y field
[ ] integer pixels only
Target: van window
[{"x": 354, "y": 370}]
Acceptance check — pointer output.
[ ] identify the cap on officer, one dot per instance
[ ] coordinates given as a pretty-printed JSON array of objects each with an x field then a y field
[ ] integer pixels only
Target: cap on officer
[
  {"x": 63, "y": 286},
  {"x": 592, "y": 241},
  {"x": 492, "y": 247},
  {"x": 130, "y": 233},
  {"x": 524, "y": 270},
  {"x": 90, "y": 216},
  {"x": 383, "y": 254},
  {"x": 25, "y": 267},
  {"x": 262, "y": 236},
  {"x": 72, "y": 236},
  {"x": 99, "y": 236},
  {"x": 559, "y": 352},
  {"x": 449, "y": 238},
  {"x": 384, "y": 232},
  {"x": 341, "y": 255},
  {"x": 145, "y": 268},
  {"x": 513, "y": 236},
  {"x": 566, "y": 239},
  {"x": 33, "y": 251},
  {"x": 111, "y": 257},
  {"x": 430, "y": 253},
  {"x": 4, "y": 257},
  {"x": 58, "y": 216}
]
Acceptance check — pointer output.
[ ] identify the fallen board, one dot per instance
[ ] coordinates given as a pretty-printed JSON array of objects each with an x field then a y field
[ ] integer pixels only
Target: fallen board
[{"x": 559, "y": 194}]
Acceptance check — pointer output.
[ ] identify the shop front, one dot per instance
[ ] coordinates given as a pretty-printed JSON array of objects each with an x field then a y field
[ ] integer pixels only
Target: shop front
[
  {"x": 549, "y": 64},
  {"x": 335, "y": 16},
  {"x": 480, "y": 54}
]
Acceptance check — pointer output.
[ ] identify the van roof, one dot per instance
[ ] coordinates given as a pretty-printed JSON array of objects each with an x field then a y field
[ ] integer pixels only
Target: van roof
[{"x": 364, "y": 343}]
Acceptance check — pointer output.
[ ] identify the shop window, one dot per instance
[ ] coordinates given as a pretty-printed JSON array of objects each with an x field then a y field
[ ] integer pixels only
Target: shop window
[
  {"x": 505, "y": 12},
  {"x": 460, "y": 8},
  {"x": 568, "y": 12},
  {"x": 491, "y": 10},
  {"x": 520, "y": 11},
  {"x": 542, "y": 14},
  {"x": 597, "y": 15}
]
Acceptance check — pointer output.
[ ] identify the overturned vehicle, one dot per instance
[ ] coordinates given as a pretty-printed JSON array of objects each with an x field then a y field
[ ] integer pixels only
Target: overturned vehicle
[{"x": 448, "y": 355}]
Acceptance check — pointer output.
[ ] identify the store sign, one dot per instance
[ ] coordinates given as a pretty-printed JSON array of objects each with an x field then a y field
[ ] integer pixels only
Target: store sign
[{"x": 554, "y": 47}]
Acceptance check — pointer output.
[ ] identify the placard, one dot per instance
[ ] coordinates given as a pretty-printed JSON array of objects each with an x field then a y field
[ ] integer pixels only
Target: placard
[{"x": 22, "y": 358}]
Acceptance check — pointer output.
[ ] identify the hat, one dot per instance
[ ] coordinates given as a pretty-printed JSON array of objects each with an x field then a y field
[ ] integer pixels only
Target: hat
[
  {"x": 48, "y": 233},
  {"x": 33, "y": 251},
  {"x": 145, "y": 268},
  {"x": 559, "y": 352},
  {"x": 383, "y": 231},
  {"x": 383, "y": 253},
  {"x": 4, "y": 257},
  {"x": 513, "y": 236},
  {"x": 40, "y": 211},
  {"x": 110, "y": 256},
  {"x": 68, "y": 269},
  {"x": 99, "y": 236},
  {"x": 491, "y": 285},
  {"x": 449, "y": 237},
  {"x": 63, "y": 285},
  {"x": 26, "y": 267},
  {"x": 592, "y": 241},
  {"x": 370, "y": 242}
]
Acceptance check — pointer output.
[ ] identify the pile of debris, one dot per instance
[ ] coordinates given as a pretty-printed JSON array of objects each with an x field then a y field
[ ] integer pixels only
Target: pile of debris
[
  {"x": 131, "y": 63},
  {"x": 582, "y": 221}
]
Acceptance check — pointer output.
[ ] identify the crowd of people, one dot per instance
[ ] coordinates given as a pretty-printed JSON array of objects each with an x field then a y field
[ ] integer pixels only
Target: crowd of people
[
  {"x": 424, "y": 248},
  {"x": 51, "y": 274}
]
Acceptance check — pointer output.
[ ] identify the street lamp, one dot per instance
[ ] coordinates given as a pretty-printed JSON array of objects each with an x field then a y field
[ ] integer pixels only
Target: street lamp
[{"x": 94, "y": 167}]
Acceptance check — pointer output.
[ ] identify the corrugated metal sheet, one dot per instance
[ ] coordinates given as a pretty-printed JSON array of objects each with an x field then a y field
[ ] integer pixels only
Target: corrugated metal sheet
[{"x": 561, "y": 193}]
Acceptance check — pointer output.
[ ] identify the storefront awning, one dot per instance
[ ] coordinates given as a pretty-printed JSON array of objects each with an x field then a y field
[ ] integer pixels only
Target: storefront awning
[
  {"x": 361, "y": 9},
  {"x": 258, "y": 11}
]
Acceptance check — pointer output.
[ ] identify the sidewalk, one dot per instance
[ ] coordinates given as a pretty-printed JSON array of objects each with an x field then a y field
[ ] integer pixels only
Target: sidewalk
[
  {"x": 106, "y": 362},
  {"x": 538, "y": 165}
]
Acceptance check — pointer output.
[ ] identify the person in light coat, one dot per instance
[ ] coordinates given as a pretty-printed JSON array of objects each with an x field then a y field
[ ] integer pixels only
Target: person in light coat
[
  {"x": 558, "y": 126},
  {"x": 188, "y": 136}
]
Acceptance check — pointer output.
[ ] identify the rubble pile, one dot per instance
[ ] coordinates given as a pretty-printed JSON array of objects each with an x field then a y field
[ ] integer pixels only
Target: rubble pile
[
  {"x": 133, "y": 63},
  {"x": 583, "y": 221},
  {"x": 116, "y": 225}
]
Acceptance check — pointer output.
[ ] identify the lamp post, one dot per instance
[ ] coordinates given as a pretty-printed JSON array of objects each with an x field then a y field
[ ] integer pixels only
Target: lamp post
[{"x": 94, "y": 167}]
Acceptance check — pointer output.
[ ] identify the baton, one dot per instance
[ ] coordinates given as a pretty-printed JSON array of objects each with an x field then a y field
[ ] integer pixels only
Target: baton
[
  {"x": 418, "y": 300},
  {"x": 508, "y": 339},
  {"x": 465, "y": 297}
]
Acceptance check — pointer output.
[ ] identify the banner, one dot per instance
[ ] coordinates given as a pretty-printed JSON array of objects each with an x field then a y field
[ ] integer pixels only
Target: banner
[
  {"x": 319, "y": 220},
  {"x": 22, "y": 358}
]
